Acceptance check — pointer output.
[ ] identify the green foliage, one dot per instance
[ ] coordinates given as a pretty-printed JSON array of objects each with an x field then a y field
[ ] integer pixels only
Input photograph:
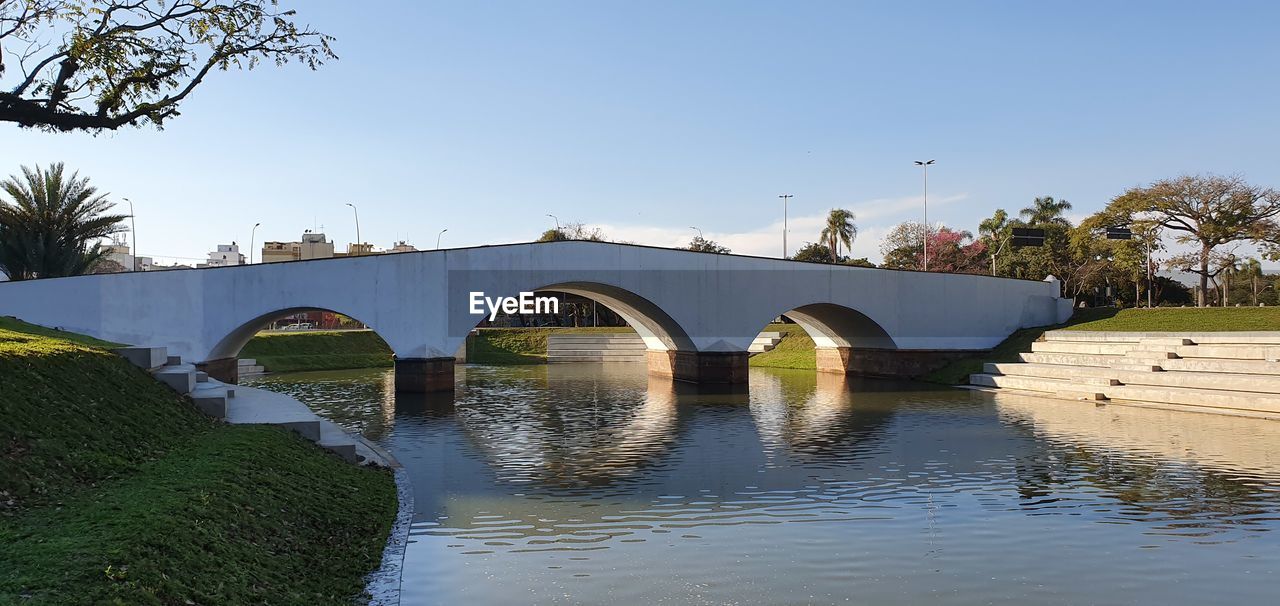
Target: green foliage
[
  {"x": 114, "y": 490},
  {"x": 698, "y": 244},
  {"x": 839, "y": 230},
  {"x": 1207, "y": 212},
  {"x": 795, "y": 350},
  {"x": 1046, "y": 211},
  {"x": 52, "y": 224},
  {"x": 813, "y": 252},
  {"x": 572, "y": 231},
  {"x": 103, "y": 64}
]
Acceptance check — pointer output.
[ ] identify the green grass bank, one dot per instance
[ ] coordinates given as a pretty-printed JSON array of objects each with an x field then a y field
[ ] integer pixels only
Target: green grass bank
[
  {"x": 318, "y": 350},
  {"x": 114, "y": 490},
  {"x": 795, "y": 350}
]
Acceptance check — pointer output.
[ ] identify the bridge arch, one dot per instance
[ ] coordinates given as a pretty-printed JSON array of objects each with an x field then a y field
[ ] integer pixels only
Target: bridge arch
[
  {"x": 658, "y": 329},
  {"x": 849, "y": 341},
  {"x": 221, "y": 359}
]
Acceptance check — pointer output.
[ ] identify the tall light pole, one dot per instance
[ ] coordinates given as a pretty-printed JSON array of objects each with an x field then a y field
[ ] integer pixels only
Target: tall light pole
[
  {"x": 557, "y": 219},
  {"x": 438, "y": 237},
  {"x": 784, "y": 197},
  {"x": 133, "y": 227},
  {"x": 253, "y": 232},
  {"x": 925, "y": 166},
  {"x": 357, "y": 212},
  {"x": 699, "y": 232}
]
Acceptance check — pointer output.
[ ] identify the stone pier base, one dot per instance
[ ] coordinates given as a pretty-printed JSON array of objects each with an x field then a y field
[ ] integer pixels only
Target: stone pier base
[
  {"x": 704, "y": 367},
  {"x": 888, "y": 363},
  {"x": 226, "y": 370},
  {"x": 424, "y": 375}
]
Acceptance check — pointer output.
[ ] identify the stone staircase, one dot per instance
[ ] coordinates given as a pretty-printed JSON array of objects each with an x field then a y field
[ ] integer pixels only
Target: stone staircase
[
  {"x": 239, "y": 405},
  {"x": 621, "y": 347},
  {"x": 765, "y": 341},
  {"x": 249, "y": 367},
  {"x": 1236, "y": 373}
]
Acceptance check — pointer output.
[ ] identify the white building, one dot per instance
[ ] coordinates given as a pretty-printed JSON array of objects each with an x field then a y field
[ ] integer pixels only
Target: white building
[
  {"x": 226, "y": 255},
  {"x": 402, "y": 246}
]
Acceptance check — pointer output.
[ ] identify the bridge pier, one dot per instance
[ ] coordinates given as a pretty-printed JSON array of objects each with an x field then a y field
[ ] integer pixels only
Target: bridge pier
[
  {"x": 424, "y": 375},
  {"x": 889, "y": 363},
  {"x": 704, "y": 367},
  {"x": 226, "y": 370}
]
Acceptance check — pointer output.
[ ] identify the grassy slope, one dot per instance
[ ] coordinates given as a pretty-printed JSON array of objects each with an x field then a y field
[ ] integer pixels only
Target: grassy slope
[
  {"x": 521, "y": 345},
  {"x": 795, "y": 350},
  {"x": 320, "y": 350},
  {"x": 1187, "y": 319},
  {"x": 115, "y": 490},
  {"x": 13, "y": 324}
]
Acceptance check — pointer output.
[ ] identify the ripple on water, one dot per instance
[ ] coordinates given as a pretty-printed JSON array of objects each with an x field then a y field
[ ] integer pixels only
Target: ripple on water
[{"x": 597, "y": 484}]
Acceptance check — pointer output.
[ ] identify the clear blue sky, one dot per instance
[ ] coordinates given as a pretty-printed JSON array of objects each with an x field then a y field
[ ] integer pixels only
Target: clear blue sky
[{"x": 650, "y": 117}]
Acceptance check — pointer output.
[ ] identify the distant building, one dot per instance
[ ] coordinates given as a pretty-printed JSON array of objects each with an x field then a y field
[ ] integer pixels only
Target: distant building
[
  {"x": 312, "y": 246},
  {"x": 359, "y": 250},
  {"x": 226, "y": 255},
  {"x": 119, "y": 252},
  {"x": 402, "y": 246}
]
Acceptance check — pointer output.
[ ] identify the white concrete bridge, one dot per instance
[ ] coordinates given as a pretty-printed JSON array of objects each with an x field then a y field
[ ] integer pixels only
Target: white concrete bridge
[{"x": 697, "y": 312}]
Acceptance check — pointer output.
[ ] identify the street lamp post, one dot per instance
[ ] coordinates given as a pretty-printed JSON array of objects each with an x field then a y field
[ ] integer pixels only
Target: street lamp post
[
  {"x": 699, "y": 232},
  {"x": 784, "y": 197},
  {"x": 925, "y": 168},
  {"x": 557, "y": 220},
  {"x": 438, "y": 237},
  {"x": 357, "y": 213},
  {"x": 253, "y": 232},
  {"x": 133, "y": 227}
]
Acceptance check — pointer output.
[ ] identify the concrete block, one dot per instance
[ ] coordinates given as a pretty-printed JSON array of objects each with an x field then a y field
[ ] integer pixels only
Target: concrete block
[
  {"x": 146, "y": 358},
  {"x": 178, "y": 379},
  {"x": 202, "y": 377},
  {"x": 307, "y": 429},
  {"x": 213, "y": 405},
  {"x": 173, "y": 360}
]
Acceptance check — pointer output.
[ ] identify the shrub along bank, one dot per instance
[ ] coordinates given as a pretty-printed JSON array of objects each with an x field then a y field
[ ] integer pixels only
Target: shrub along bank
[{"x": 113, "y": 489}]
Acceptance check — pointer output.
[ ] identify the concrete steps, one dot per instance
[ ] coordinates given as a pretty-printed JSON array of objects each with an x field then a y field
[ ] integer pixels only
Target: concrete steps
[
  {"x": 627, "y": 348},
  {"x": 248, "y": 367},
  {"x": 765, "y": 341},
  {"x": 219, "y": 400},
  {"x": 1222, "y": 372}
]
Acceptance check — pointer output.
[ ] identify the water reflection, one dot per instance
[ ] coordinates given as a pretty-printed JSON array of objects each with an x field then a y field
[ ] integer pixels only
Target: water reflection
[{"x": 591, "y": 484}]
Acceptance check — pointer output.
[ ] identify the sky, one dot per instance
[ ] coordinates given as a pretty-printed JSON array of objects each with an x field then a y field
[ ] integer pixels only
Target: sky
[{"x": 650, "y": 118}]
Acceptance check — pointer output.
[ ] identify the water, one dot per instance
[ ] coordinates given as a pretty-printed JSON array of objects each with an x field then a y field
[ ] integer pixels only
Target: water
[{"x": 590, "y": 484}]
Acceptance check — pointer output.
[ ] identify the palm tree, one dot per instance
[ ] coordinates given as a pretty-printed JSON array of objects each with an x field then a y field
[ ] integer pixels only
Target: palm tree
[
  {"x": 52, "y": 224},
  {"x": 1047, "y": 210},
  {"x": 840, "y": 229}
]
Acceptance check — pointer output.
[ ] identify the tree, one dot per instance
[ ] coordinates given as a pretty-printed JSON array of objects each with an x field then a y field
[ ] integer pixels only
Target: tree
[
  {"x": 53, "y": 224},
  {"x": 995, "y": 233},
  {"x": 102, "y": 64},
  {"x": 813, "y": 252},
  {"x": 950, "y": 251},
  {"x": 840, "y": 229},
  {"x": 572, "y": 231},
  {"x": 699, "y": 244},
  {"x": 1046, "y": 210},
  {"x": 1209, "y": 211}
]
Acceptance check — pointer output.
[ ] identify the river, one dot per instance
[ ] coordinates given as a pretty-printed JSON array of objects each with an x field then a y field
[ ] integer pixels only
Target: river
[{"x": 595, "y": 484}]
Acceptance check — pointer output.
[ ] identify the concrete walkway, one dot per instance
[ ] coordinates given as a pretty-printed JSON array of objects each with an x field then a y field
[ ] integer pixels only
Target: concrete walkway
[{"x": 251, "y": 405}]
